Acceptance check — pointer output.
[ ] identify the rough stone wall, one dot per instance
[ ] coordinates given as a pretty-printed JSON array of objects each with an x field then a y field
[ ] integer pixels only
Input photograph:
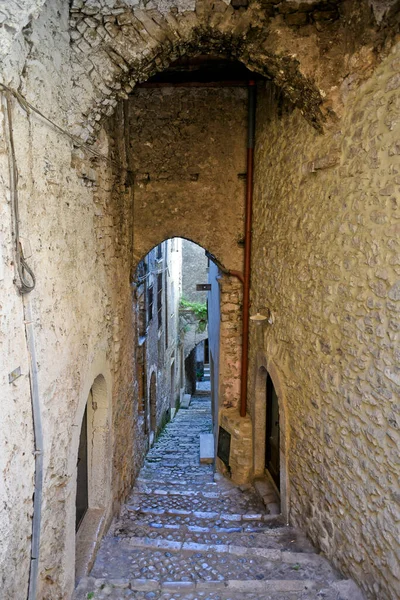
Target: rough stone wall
[
  {"x": 230, "y": 335},
  {"x": 187, "y": 153},
  {"x": 326, "y": 262}
]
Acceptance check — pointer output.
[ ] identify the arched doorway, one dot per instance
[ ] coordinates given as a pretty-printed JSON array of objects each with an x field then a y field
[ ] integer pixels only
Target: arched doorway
[
  {"x": 82, "y": 490},
  {"x": 153, "y": 407},
  {"x": 93, "y": 475},
  {"x": 272, "y": 434},
  {"x": 173, "y": 394}
]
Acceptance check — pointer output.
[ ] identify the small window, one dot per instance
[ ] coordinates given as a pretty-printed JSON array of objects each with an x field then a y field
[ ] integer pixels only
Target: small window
[
  {"x": 150, "y": 299},
  {"x": 159, "y": 253},
  {"x": 142, "y": 316},
  {"x": 159, "y": 299},
  {"x": 141, "y": 271}
]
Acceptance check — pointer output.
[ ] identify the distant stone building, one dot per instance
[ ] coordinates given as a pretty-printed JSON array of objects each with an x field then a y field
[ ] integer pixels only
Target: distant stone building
[
  {"x": 194, "y": 330},
  {"x": 159, "y": 350}
]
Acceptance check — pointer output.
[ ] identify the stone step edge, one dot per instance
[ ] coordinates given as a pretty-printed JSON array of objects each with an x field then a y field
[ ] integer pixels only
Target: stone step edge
[
  {"x": 185, "y": 530},
  {"x": 183, "y": 482},
  {"x": 197, "y": 514},
  {"x": 184, "y": 493},
  {"x": 172, "y": 491},
  {"x": 285, "y": 556},
  {"x": 230, "y": 585}
]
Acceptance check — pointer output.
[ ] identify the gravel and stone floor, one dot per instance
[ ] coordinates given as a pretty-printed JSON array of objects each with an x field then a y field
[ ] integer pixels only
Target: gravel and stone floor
[{"x": 187, "y": 534}]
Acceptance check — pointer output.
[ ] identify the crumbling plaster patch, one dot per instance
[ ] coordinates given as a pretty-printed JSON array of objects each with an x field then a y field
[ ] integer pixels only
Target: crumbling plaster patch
[{"x": 13, "y": 17}]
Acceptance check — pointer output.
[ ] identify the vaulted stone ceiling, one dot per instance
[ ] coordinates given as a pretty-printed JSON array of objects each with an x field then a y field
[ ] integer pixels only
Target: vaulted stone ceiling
[{"x": 314, "y": 50}]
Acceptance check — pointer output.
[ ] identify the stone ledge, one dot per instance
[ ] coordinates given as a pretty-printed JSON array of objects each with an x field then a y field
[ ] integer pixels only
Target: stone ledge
[
  {"x": 88, "y": 539},
  {"x": 241, "y": 450}
]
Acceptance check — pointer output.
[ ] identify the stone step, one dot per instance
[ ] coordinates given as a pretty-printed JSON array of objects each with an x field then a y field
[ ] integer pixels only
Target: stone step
[
  {"x": 151, "y": 589},
  {"x": 236, "y": 506},
  {"x": 271, "y": 554},
  {"x": 188, "y": 534},
  {"x": 234, "y": 589},
  {"x": 209, "y": 491},
  {"x": 137, "y": 521},
  {"x": 197, "y": 515},
  {"x": 163, "y": 560},
  {"x": 272, "y": 536}
]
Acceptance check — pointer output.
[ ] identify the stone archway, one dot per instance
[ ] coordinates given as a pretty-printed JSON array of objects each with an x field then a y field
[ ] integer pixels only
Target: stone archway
[{"x": 292, "y": 45}]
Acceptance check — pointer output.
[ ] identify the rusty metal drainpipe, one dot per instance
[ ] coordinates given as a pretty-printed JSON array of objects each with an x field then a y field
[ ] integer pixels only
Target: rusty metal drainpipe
[{"x": 247, "y": 246}]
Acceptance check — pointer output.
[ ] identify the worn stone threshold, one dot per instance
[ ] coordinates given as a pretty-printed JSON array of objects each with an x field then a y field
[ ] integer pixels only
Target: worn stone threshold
[{"x": 293, "y": 558}]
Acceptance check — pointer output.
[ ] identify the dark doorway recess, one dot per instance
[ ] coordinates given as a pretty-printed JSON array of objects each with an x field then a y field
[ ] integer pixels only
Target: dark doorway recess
[
  {"x": 153, "y": 403},
  {"x": 272, "y": 433},
  {"x": 82, "y": 494}
]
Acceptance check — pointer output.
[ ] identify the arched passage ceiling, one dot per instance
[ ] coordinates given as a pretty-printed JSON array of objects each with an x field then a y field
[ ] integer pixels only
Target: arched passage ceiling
[{"x": 313, "y": 50}]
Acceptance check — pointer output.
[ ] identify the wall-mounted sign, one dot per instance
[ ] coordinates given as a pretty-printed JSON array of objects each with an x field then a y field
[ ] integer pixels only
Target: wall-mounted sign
[{"x": 203, "y": 287}]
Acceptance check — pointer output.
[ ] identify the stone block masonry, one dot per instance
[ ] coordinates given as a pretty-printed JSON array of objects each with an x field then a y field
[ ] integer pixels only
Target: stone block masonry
[
  {"x": 326, "y": 262},
  {"x": 187, "y": 151}
]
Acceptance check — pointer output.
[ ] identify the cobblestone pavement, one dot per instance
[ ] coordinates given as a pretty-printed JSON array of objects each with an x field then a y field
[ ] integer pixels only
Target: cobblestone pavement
[{"x": 187, "y": 534}]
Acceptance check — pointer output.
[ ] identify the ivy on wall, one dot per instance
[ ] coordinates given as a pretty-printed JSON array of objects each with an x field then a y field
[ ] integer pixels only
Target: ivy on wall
[{"x": 199, "y": 310}]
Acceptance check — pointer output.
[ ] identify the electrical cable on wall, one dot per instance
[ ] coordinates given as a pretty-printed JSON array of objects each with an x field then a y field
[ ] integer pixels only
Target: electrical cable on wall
[
  {"x": 28, "y": 107},
  {"x": 27, "y": 280},
  {"x": 26, "y": 284}
]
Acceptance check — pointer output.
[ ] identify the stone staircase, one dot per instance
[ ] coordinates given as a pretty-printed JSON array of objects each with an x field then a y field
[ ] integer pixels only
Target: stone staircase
[{"x": 187, "y": 534}]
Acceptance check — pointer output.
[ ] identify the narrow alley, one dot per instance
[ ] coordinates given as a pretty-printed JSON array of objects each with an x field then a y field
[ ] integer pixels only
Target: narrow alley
[{"x": 187, "y": 533}]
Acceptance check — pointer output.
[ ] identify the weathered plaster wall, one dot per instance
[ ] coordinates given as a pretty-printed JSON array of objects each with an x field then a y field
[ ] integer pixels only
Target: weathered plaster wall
[
  {"x": 187, "y": 151},
  {"x": 326, "y": 262},
  {"x": 76, "y": 214}
]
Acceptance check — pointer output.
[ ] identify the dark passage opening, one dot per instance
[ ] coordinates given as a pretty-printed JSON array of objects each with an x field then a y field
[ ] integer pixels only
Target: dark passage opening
[
  {"x": 82, "y": 494},
  {"x": 272, "y": 433}
]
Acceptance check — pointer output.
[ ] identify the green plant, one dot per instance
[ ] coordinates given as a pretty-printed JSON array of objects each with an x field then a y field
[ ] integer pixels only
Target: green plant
[
  {"x": 199, "y": 309},
  {"x": 90, "y": 595}
]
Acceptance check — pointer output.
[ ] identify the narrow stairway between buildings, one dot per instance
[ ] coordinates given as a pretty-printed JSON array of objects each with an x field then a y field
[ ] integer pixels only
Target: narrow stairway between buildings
[{"x": 186, "y": 533}]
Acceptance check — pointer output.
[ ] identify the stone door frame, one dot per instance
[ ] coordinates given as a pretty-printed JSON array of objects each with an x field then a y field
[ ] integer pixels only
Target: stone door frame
[{"x": 264, "y": 367}]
